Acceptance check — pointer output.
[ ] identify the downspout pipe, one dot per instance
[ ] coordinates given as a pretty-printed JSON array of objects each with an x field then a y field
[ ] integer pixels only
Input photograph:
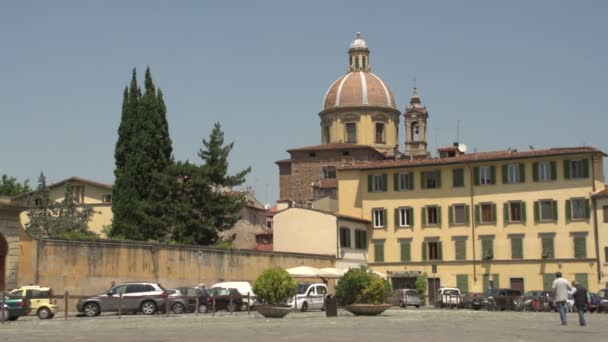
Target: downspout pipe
[
  {"x": 595, "y": 224},
  {"x": 473, "y": 218}
]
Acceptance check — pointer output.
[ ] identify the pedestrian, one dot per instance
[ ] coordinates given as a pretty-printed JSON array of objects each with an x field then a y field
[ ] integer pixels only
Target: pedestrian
[
  {"x": 581, "y": 301},
  {"x": 561, "y": 289}
]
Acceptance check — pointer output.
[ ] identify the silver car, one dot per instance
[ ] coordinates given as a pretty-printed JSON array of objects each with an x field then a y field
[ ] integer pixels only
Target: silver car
[
  {"x": 143, "y": 297},
  {"x": 404, "y": 297}
]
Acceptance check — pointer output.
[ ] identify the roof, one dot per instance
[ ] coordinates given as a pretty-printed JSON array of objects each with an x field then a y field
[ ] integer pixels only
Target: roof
[
  {"x": 602, "y": 193},
  {"x": 337, "y": 215},
  {"x": 359, "y": 89},
  {"x": 469, "y": 158},
  {"x": 72, "y": 179},
  {"x": 327, "y": 183},
  {"x": 332, "y": 146}
]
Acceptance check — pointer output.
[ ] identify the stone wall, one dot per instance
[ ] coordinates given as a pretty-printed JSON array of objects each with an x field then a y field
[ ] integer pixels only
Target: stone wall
[{"x": 10, "y": 229}]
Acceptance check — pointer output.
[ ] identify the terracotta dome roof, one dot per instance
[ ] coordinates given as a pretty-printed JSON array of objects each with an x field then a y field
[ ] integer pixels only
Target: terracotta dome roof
[{"x": 359, "y": 89}]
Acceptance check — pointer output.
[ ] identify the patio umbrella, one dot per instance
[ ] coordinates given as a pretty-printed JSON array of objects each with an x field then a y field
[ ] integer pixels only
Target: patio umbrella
[
  {"x": 330, "y": 272},
  {"x": 303, "y": 272}
]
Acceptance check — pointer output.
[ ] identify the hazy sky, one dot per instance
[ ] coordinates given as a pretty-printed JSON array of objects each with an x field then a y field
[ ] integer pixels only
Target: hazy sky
[{"x": 515, "y": 73}]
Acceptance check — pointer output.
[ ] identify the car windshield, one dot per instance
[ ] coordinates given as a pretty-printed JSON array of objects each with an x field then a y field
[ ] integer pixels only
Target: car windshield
[
  {"x": 492, "y": 293},
  {"x": 302, "y": 288}
]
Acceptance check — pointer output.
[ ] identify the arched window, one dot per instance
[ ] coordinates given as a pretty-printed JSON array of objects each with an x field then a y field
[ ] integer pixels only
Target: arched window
[{"x": 380, "y": 133}]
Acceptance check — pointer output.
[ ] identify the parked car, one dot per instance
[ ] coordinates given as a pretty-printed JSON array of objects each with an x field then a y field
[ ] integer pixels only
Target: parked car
[
  {"x": 136, "y": 297},
  {"x": 448, "y": 297},
  {"x": 244, "y": 288},
  {"x": 537, "y": 300},
  {"x": 14, "y": 307},
  {"x": 183, "y": 299},
  {"x": 594, "y": 302},
  {"x": 471, "y": 300},
  {"x": 602, "y": 305},
  {"x": 228, "y": 299},
  {"x": 309, "y": 296},
  {"x": 501, "y": 299},
  {"x": 40, "y": 300},
  {"x": 404, "y": 297}
]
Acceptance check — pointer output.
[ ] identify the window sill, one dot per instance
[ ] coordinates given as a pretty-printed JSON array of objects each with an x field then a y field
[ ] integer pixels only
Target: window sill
[
  {"x": 516, "y": 222},
  {"x": 486, "y": 224},
  {"x": 431, "y": 226},
  {"x": 405, "y": 227},
  {"x": 379, "y": 227},
  {"x": 459, "y": 225}
]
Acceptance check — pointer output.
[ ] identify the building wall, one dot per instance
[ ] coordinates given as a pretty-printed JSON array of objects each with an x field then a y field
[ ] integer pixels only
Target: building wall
[
  {"x": 602, "y": 218},
  {"x": 89, "y": 267},
  {"x": 301, "y": 230},
  {"x": 10, "y": 229},
  {"x": 349, "y": 257},
  {"x": 354, "y": 199}
]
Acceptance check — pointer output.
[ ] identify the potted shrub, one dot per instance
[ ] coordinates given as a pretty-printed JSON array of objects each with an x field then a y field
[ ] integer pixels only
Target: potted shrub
[
  {"x": 272, "y": 288},
  {"x": 362, "y": 292}
]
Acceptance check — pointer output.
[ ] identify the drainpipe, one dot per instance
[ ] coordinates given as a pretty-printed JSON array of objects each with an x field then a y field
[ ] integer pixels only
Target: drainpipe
[
  {"x": 338, "y": 240},
  {"x": 472, "y": 216},
  {"x": 595, "y": 226}
]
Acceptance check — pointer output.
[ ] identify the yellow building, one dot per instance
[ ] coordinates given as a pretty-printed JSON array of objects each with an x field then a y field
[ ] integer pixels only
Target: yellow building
[
  {"x": 501, "y": 219},
  {"x": 95, "y": 194}
]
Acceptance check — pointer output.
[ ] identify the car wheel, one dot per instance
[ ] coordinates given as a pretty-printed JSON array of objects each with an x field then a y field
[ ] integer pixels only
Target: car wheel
[
  {"x": 203, "y": 308},
  {"x": 44, "y": 313},
  {"x": 178, "y": 308},
  {"x": 304, "y": 307},
  {"x": 417, "y": 306},
  {"x": 91, "y": 309},
  {"x": 244, "y": 307},
  {"x": 12, "y": 318},
  {"x": 401, "y": 305},
  {"x": 231, "y": 307},
  {"x": 148, "y": 308}
]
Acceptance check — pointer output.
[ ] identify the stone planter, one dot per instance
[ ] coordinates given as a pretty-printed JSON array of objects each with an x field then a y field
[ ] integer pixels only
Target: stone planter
[
  {"x": 367, "y": 309},
  {"x": 271, "y": 311}
]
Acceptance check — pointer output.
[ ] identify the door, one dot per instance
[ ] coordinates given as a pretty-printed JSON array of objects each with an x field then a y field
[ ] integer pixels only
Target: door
[
  {"x": 320, "y": 297},
  {"x": 434, "y": 285},
  {"x": 110, "y": 303},
  {"x": 517, "y": 284}
]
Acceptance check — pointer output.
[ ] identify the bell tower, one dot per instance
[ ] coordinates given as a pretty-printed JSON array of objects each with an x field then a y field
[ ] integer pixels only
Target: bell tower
[{"x": 416, "y": 117}]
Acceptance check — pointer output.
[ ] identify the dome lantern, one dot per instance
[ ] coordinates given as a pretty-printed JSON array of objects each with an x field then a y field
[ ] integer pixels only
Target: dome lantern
[{"x": 359, "y": 55}]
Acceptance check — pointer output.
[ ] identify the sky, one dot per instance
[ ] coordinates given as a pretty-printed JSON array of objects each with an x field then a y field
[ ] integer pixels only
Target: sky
[{"x": 493, "y": 74}]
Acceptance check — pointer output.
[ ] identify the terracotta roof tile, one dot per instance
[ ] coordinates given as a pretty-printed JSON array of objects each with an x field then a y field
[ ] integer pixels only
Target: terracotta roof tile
[
  {"x": 327, "y": 183},
  {"x": 602, "y": 193},
  {"x": 332, "y": 146}
]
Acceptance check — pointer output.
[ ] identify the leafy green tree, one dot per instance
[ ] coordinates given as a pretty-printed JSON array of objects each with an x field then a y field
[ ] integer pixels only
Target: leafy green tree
[
  {"x": 9, "y": 186},
  {"x": 421, "y": 286},
  {"x": 274, "y": 286},
  {"x": 361, "y": 286}
]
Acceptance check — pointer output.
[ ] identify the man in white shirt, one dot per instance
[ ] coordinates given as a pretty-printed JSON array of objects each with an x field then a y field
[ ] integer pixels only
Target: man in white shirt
[{"x": 561, "y": 289}]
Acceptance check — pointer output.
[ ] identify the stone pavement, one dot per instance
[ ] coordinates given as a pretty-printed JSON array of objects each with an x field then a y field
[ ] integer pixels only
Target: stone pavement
[{"x": 394, "y": 324}]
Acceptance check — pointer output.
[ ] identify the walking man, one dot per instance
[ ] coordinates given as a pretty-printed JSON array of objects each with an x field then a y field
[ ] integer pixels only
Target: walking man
[
  {"x": 581, "y": 301},
  {"x": 561, "y": 289}
]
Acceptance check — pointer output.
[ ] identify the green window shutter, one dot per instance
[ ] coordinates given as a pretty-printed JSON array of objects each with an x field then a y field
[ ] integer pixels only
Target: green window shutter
[
  {"x": 424, "y": 254},
  {"x": 583, "y": 279},
  {"x": 439, "y": 216},
  {"x": 439, "y": 179},
  {"x": 505, "y": 212},
  {"x": 580, "y": 247},
  {"x": 466, "y": 214},
  {"x": 405, "y": 251},
  {"x": 523, "y": 211},
  {"x": 457, "y": 177},
  {"x": 548, "y": 248},
  {"x": 476, "y": 175},
  {"x": 379, "y": 251},
  {"x": 439, "y": 250},
  {"x": 424, "y": 216},
  {"x": 586, "y": 168},
  {"x": 494, "y": 212},
  {"x": 522, "y": 173},
  {"x": 516, "y": 248},
  {"x": 493, "y": 174},
  {"x": 535, "y": 172},
  {"x": 462, "y": 283},
  {"x": 487, "y": 250},
  {"x": 451, "y": 215},
  {"x": 553, "y": 170},
  {"x": 567, "y": 169},
  {"x": 384, "y": 182},
  {"x": 460, "y": 247},
  {"x": 370, "y": 180},
  {"x": 587, "y": 209},
  {"x": 410, "y": 214},
  {"x": 385, "y": 218},
  {"x": 548, "y": 281},
  {"x": 505, "y": 176},
  {"x": 410, "y": 180},
  {"x": 397, "y": 218},
  {"x": 477, "y": 214},
  {"x": 423, "y": 180},
  {"x": 536, "y": 211},
  {"x": 486, "y": 282},
  {"x": 496, "y": 281},
  {"x": 396, "y": 181},
  {"x": 555, "y": 215},
  {"x": 568, "y": 210}
]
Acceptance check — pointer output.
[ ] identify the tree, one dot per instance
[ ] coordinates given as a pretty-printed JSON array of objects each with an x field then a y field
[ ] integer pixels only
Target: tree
[
  {"x": 58, "y": 219},
  {"x": 9, "y": 186}
]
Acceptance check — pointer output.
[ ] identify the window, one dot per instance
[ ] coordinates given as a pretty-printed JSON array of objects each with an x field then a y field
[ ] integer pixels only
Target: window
[
  {"x": 513, "y": 173},
  {"x": 487, "y": 248},
  {"x": 376, "y": 183},
  {"x": 462, "y": 282},
  {"x": 488, "y": 283},
  {"x": 406, "y": 250},
  {"x": 404, "y": 181},
  {"x": 431, "y": 216},
  {"x": 577, "y": 209},
  {"x": 379, "y": 217},
  {"x": 605, "y": 254},
  {"x": 404, "y": 217},
  {"x": 106, "y": 198},
  {"x": 515, "y": 212},
  {"x": 457, "y": 178},
  {"x": 460, "y": 247},
  {"x": 380, "y": 133},
  {"x": 329, "y": 172},
  {"x": 517, "y": 250},
  {"x": 78, "y": 193},
  {"x": 485, "y": 175},
  {"x": 431, "y": 179},
  {"x": 545, "y": 211},
  {"x": 580, "y": 246},
  {"x": 547, "y": 247},
  {"x": 459, "y": 214},
  {"x": 326, "y": 137},
  {"x": 360, "y": 239},
  {"x": 544, "y": 171},
  {"x": 485, "y": 213},
  {"x": 548, "y": 281},
  {"x": 605, "y": 210},
  {"x": 344, "y": 237},
  {"x": 576, "y": 168},
  {"x": 351, "y": 132},
  {"x": 431, "y": 250},
  {"x": 379, "y": 250},
  {"x": 582, "y": 278}
]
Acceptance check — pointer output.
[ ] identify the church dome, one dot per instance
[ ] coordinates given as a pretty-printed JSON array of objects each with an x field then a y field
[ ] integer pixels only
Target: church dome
[{"x": 359, "y": 89}]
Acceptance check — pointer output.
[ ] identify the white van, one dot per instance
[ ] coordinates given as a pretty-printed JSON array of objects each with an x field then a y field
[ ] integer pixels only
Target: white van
[
  {"x": 309, "y": 296},
  {"x": 244, "y": 288}
]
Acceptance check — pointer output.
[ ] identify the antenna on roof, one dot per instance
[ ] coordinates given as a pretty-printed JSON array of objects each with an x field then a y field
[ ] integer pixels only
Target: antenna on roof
[{"x": 457, "y": 130}]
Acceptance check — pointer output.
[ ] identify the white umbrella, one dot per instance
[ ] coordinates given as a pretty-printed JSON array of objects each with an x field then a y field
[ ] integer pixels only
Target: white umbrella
[
  {"x": 303, "y": 272},
  {"x": 330, "y": 272}
]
